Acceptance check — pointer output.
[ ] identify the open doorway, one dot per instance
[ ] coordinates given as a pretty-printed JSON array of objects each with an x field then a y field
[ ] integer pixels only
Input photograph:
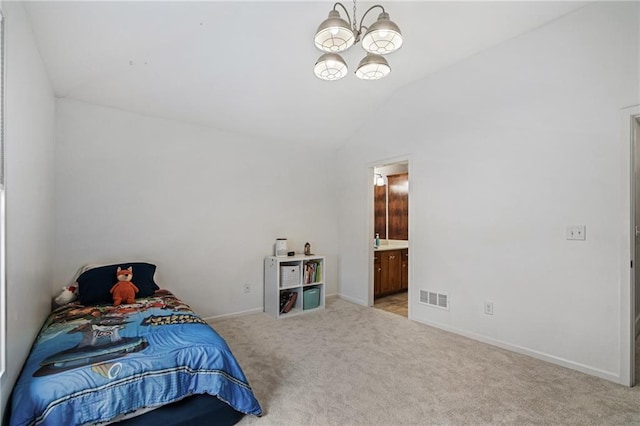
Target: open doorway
[
  {"x": 635, "y": 293},
  {"x": 390, "y": 280},
  {"x": 630, "y": 255}
]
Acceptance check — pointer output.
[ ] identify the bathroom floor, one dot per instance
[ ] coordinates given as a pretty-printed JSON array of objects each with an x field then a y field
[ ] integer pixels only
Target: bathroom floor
[{"x": 395, "y": 303}]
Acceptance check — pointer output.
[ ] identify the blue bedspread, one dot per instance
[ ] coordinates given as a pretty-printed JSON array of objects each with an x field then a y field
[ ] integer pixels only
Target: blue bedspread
[{"x": 92, "y": 363}]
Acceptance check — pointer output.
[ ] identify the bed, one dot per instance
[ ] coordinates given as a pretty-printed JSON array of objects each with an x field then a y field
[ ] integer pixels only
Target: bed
[{"x": 151, "y": 362}]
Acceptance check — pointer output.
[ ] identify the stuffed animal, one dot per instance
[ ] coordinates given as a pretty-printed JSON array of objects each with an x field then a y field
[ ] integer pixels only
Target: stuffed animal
[
  {"x": 124, "y": 290},
  {"x": 68, "y": 295}
]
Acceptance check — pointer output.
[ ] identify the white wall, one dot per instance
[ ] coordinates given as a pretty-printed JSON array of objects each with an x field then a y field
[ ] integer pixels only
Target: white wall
[
  {"x": 29, "y": 191},
  {"x": 506, "y": 149},
  {"x": 203, "y": 205}
]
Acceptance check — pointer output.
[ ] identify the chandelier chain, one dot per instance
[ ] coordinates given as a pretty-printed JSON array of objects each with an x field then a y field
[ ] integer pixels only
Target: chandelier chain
[{"x": 355, "y": 18}]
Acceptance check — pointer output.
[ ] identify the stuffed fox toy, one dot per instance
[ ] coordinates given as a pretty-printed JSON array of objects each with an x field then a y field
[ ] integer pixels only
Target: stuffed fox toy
[{"x": 124, "y": 290}]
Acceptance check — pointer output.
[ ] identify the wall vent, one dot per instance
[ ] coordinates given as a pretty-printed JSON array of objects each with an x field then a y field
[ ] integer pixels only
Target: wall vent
[{"x": 437, "y": 300}]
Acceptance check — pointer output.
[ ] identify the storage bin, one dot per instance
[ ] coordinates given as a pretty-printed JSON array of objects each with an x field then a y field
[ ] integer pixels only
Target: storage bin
[
  {"x": 289, "y": 275},
  {"x": 311, "y": 298}
]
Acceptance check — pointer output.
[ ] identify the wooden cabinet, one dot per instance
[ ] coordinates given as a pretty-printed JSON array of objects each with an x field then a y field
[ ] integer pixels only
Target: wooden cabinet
[
  {"x": 404, "y": 255},
  {"x": 391, "y": 208},
  {"x": 380, "y": 210},
  {"x": 398, "y": 206},
  {"x": 390, "y": 272},
  {"x": 377, "y": 274}
]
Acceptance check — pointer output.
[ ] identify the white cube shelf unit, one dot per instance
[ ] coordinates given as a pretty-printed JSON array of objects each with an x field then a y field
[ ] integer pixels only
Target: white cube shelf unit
[{"x": 293, "y": 274}]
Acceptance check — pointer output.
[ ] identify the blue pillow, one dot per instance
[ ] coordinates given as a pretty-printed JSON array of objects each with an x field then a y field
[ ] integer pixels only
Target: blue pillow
[{"x": 95, "y": 284}]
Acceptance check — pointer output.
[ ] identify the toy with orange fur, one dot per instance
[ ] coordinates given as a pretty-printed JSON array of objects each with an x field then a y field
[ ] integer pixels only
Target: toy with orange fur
[{"x": 124, "y": 290}]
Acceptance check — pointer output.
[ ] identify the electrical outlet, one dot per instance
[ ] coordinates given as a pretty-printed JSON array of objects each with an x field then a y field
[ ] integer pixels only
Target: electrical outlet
[
  {"x": 576, "y": 232},
  {"x": 247, "y": 288},
  {"x": 488, "y": 308}
]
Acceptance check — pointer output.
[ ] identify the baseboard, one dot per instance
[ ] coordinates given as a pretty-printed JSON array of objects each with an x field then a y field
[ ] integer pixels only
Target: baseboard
[
  {"x": 607, "y": 375},
  {"x": 233, "y": 314},
  {"x": 251, "y": 311},
  {"x": 353, "y": 300}
]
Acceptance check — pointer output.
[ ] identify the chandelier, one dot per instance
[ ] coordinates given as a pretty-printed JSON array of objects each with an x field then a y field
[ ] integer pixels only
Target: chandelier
[{"x": 336, "y": 35}]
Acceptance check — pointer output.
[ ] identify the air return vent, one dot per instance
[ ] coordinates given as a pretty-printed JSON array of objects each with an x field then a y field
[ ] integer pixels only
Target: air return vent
[{"x": 437, "y": 300}]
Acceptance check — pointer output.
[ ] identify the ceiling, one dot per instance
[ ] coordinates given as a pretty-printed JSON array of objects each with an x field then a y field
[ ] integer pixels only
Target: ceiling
[{"x": 247, "y": 67}]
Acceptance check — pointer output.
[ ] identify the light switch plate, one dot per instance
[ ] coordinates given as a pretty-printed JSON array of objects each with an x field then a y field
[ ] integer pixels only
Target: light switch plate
[{"x": 576, "y": 232}]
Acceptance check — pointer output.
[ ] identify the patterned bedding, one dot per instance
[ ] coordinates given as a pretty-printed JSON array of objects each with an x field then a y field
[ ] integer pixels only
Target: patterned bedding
[{"x": 93, "y": 364}]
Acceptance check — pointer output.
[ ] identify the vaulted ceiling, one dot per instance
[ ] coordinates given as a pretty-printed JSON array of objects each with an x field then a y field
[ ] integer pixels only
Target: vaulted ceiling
[{"x": 247, "y": 67}]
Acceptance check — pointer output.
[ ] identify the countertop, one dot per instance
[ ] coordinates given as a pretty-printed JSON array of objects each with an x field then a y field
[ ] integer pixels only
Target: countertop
[{"x": 392, "y": 245}]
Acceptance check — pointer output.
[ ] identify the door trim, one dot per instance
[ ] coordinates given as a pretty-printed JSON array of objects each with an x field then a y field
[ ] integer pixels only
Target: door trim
[
  {"x": 371, "y": 224},
  {"x": 627, "y": 247}
]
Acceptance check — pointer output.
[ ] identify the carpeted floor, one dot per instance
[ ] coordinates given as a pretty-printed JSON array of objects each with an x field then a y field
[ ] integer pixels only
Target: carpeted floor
[{"x": 352, "y": 365}]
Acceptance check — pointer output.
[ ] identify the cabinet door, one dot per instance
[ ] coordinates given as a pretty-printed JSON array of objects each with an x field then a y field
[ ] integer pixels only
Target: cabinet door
[
  {"x": 380, "y": 210},
  {"x": 384, "y": 273},
  {"x": 404, "y": 255},
  {"x": 395, "y": 270},
  {"x": 391, "y": 271},
  {"x": 398, "y": 206},
  {"x": 377, "y": 275}
]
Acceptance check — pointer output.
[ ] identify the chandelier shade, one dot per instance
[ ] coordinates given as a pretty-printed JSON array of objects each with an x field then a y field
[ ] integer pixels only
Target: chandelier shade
[
  {"x": 334, "y": 34},
  {"x": 330, "y": 66},
  {"x": 372, "y": 67},
  {"x": 383, "y": 36}
]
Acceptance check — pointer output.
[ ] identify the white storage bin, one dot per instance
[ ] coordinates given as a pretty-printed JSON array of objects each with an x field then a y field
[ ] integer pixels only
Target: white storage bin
[{"x": 289, "y": 275}]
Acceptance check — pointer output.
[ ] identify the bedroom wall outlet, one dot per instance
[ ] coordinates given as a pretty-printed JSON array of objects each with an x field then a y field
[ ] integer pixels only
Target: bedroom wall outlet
[
  {"x": 488, "y": 308},
  {"x": 247, "y": 288},
  {"x": 576, "y": 232}
]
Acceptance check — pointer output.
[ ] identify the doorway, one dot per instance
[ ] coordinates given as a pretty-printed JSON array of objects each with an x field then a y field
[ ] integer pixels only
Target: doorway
[
  {"x": 635, "y": 282},
  {"x": 630, "y": 221},
  {"x": 389, "y": 283}
]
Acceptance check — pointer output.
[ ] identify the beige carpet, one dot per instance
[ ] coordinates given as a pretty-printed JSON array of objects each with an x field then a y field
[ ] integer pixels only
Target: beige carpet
[{"x": 351, "y": 365}]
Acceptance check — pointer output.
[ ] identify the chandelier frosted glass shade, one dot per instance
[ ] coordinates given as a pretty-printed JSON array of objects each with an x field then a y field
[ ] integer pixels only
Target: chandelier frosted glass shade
[
  {"x": 330, "y": 66},
  {"x": 373, "y": 67},
  {"x": 383, "y": 36},
  {"x": 334, "y": 34}
]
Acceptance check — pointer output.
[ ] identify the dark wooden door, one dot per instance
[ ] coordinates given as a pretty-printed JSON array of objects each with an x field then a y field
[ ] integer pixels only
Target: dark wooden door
[
  {"x": 404, "y": 255},
  {"x": 384, "y": 273},
  {"x": 395, "y": 274},
  {"x": 380, "y": 210},
  {"x": 377, "y": 274},
  {"x": 393, "y": 270},
  {"x": 398, "y": 206}
]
